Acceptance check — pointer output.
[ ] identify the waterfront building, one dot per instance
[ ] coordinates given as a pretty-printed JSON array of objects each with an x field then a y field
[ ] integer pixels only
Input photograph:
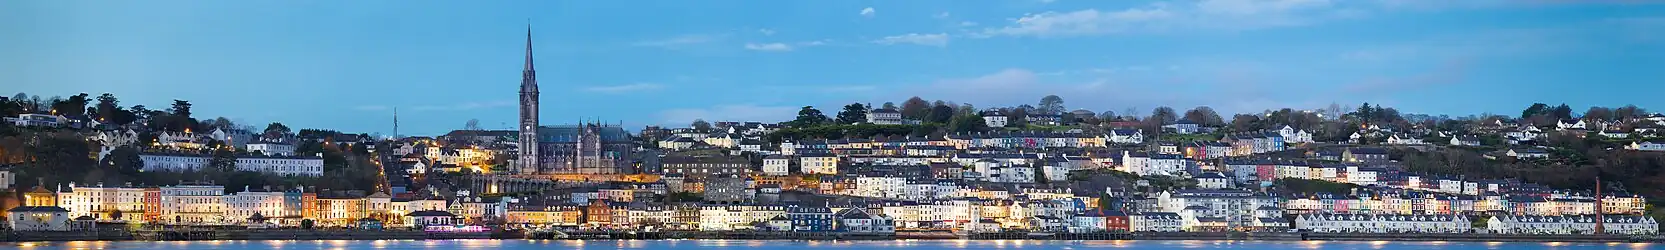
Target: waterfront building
[
  {"x": 1154, "y": 222},
  {"x": 1572, "y": 224},
  {"x": 37, "y": 218},
  {"x": 193, "y": 205},
  {"x": 1368, "y": 223}
]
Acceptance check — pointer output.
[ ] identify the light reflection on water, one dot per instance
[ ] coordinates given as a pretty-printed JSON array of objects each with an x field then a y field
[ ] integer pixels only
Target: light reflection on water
[{"x": 789, "y": 244}]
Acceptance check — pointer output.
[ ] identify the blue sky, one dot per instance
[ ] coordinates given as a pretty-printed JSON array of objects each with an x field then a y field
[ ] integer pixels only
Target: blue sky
[{"x": 345, "y": 64}]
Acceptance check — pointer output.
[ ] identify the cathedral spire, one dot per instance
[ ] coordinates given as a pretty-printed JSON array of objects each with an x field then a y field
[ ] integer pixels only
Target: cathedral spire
[{"x": 528, "y": 47}]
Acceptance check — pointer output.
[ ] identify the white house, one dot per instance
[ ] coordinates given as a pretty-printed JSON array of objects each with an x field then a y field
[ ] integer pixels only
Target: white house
[
  {"x": 39, "y": 120},
  {"x": 1154, "y": 222},
  {"x": 1566, "y": 124},
  {"x": 1404, "y": 139},
  {"x": 193, "y": 204},
  {"x": 1465, "y": 140},
  {"x": 884, "y": 116},
  {"x": 1525, "y": 153},
  {"x": 1183, "y": 127},
  {"x": 272, "y": 148},
  {"x": 1125, "y": 136},
  {"x": 1614, "y": 134},
  {"x": 1292, "y": 135},
  {"x": 994, "y": 118},
  {"x": 38, "y": 218},
  {"x": 1213, "y": 180},
  {"x": 777, "y": 165}
]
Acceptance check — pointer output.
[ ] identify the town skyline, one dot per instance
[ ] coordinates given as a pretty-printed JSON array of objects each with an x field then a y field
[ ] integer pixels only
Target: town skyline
[{"x": 347, "y": 72}]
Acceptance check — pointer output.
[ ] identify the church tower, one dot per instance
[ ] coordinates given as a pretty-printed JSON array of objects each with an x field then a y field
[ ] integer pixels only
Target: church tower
[{"x": 528, "y": 112}]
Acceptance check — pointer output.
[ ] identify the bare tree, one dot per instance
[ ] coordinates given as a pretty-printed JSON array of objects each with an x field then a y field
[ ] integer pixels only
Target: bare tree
[{"x": 473, "y": 124}]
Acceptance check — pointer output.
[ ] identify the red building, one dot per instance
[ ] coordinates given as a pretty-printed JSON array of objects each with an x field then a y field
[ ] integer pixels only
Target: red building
[
  {"x": 1116, "y": 221},
  {"x": 152, "y": 204}
]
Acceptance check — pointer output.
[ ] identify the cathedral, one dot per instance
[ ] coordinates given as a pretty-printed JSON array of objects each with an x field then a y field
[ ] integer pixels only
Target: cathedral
[{"x": 586, "y": 148}]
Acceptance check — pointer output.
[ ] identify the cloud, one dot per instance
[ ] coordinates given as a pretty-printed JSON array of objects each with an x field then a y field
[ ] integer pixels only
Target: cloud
[
  {"x": 773, "y": 47},
  {"x": 1164, "y": 16},
  {"x": 739, "y": 112},
  {"x": 868, "y": 12},
  {"x": 467, "y": 106},
  {"x": 678, "y": 41},
  {"x": 1081, "y": 22},
  {"x": 766, "y": 32},
  {"x": 625, "y": 88},
  {"x": 939, "y": 39},
  {"x": 968, "y": 23},
  {"x": 942, "y": 15}
]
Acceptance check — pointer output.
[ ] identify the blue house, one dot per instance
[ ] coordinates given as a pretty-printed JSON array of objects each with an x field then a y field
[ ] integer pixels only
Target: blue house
[{"x": 810, "y": 219}]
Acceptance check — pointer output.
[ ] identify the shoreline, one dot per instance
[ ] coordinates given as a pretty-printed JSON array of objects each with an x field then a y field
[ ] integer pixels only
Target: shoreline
[{"x": 771, "y": 236}]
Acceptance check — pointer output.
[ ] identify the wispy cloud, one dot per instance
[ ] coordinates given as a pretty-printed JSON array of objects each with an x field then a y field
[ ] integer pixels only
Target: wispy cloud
[
  {"x": 739, "y": 112},
  {"x": 772, "y": 47},
  {"x": 942, "y": 15},
  {"x": 1163, "y": 16},
  {"x": 625, "y": 88},
  {"x": 939, "y": 39},
  {"x": 766, "y": 32},
  {"x": 682, "y": 40},
  {"x": 467, "y": 106},
  {"x": 868, "y": 12}
]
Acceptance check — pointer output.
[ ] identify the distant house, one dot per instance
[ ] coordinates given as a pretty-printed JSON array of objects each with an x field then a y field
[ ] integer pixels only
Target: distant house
[
  {"x": 1183, "y": 127},
  {"x": 1465, "y": 140},
  {"x": 1292, "y": 135},
  {"x": 1365, "y": 155},
  {"x": 38, "y": 218},
  {"x": 1526, "y": 153},
  {"x": 1404, "y": 139},
  {"x": 1043, "y": 119},
  {"x": 994, "y": 118},
  {"x": 1125, "y": 136},
  {"x": 1213, "y": 180},
  {"x": 884, "y": 116},
  {"x": 1616, "y": 134},
  {"x": 1565, "y": 124},
  {"x": 1647, "y": 146}
]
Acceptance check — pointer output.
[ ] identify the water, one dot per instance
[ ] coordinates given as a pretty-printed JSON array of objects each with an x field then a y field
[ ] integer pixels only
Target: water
[{"x": 756, "y": 244}]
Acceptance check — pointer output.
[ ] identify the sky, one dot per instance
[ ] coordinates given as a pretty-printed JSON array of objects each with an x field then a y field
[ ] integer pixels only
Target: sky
[{"x": 346, "y": 65}]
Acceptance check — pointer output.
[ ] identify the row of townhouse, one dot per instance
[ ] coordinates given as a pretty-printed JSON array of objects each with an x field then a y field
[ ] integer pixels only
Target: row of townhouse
[
  {"x": 1245, "y": 144},
  {"x": 1572, "y": 224},
  {"x": 211, "y": 205},
  {"x": 1416, "y": 202},
  {"x": 301, "y": 166},
  {"x": 1369, "y": 223},
  {"x": 1141, "y": 163}
]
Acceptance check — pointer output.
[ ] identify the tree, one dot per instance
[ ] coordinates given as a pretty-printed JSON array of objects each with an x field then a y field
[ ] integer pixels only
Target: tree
[
  {"x": 700, "y": 125},
  {"x": 306, "y": 224},
  {"x": 74, "y": 106},
  {"x": 889, "y": 105},
  {"x": 915, "y": 108},
  {"x": 808, "y": 116},
  {"x": 108, "y": 107},
  {"x": 1535, "y": 109},
  {"x": 1017, "y": 117},
  {"x": 1246, "y": 122},
  {"x": 276, "y": 130},
  {"x": 1108, "y": 116},
  {"x": 852, "y": 114},
  {"x": 1562, "y": 112},
  {"x": 1629, "y": 112},
  {"x": 1051, "y": 105},
  {"x": 1163, "y": 115},
  {"x": 1598, "y": 114},
  {"x": 940, "y": 114},
  {"x": 472, "y": 125},
  {"x": 1205, "y": 116},
  {"x": 968, "y": 123}
]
